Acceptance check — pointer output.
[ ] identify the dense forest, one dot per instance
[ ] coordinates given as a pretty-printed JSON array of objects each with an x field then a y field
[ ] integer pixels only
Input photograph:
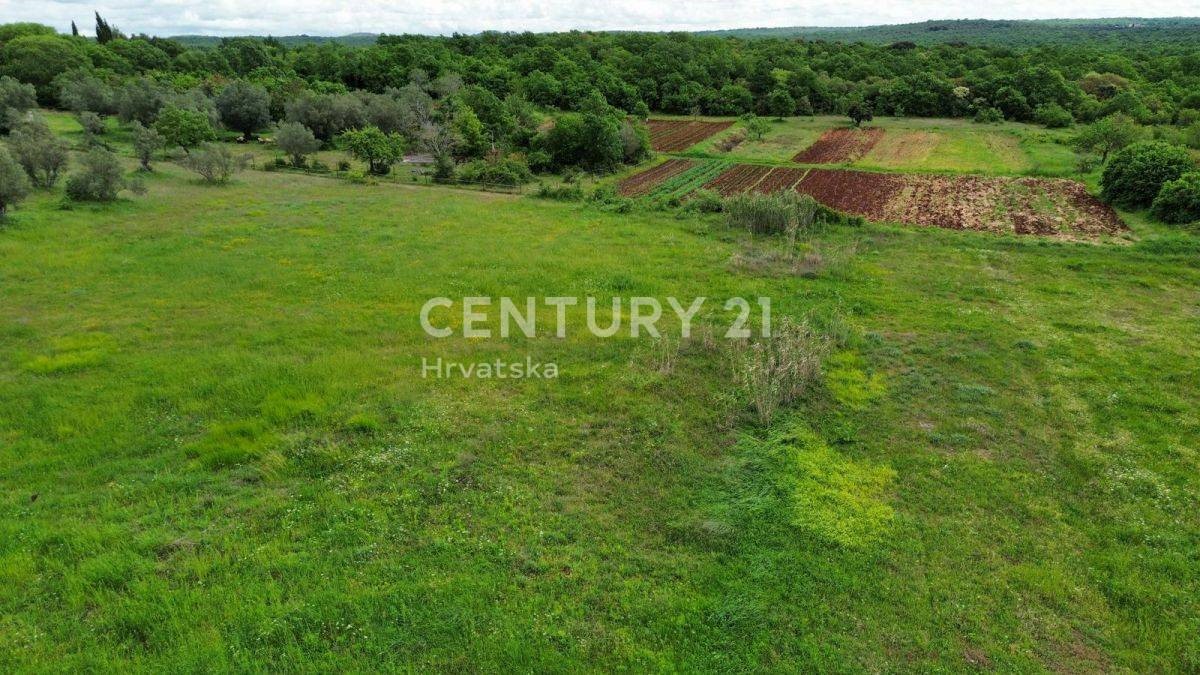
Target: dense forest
[
  {"x": 465, "y": 96},
  {"x": 673, "y": 73}
]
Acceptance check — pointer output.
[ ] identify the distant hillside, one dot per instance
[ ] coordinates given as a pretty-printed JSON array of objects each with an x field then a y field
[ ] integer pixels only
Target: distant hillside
[
  {"x": 986, "y": 31},
  {"x": 352, "y": 40},
  {"x": 970, "y": 31}
]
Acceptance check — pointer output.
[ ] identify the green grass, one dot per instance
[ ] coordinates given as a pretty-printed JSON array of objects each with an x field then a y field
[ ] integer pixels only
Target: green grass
[
  {"x": 913, "y": 144},
  {"x": 219, "y": 452}
]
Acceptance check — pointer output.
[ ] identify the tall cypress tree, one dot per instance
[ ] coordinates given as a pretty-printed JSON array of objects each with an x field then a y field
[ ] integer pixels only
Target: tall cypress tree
[
  {"x": 74, "y": 29},
  {"x": 105, "y": 32}
]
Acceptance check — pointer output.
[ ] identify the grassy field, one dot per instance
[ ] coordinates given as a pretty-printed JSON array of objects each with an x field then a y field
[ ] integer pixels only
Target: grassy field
[
  {"x": 220, "y": 453},
  {"x": 917, "y": 145}
]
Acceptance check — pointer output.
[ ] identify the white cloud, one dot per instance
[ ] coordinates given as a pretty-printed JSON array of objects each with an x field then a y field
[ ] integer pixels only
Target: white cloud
[{"x": 325, "y": 17}]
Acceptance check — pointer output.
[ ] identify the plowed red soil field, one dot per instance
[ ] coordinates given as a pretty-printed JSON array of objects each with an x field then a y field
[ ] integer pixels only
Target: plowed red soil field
[
  {"x": 840, "y": 145},
  {"x": 780, "y": 179},
  {"x": 642, "y": 183},
  {"x": 1044, "y": 206},
  {"x": 1053, "y": 207},
  {"x": 738, "y": 178},
  {"x": 675, "y": 135},
  {"x": 857, "y": 192}
]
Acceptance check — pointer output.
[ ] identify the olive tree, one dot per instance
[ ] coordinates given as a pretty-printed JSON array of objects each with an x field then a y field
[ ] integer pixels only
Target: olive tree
[
  {"x": 141, "y": 100},
  {"x": 244, "y": 107},
  {"x": 146, "y": 142},
  {"x": 326, "y": 115},
  {"x": 99, "y": 178},
  {"x": 14, "y": 184},
  {"x": 215, "y": 163},
  {"x": 296, "y": 141},
  {"x": 42, "y": 154},
  {"x": 15, "y": 100},
  {"x": 79, "y": 91}
]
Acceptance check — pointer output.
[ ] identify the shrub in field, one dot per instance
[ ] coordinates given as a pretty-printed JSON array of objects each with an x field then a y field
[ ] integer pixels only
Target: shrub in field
[
  {"x": 377, "y": 149},
  {"x": 99, "y": 178},
  {"x": 561, "y": 193},
  {"x": 1053, "y": 116},
  {"x": 803, "y": 215},
  {"x": 1085, "y": 162},
  {"x": 731, "y": 141},
  {"x": 146, "y": 142},
  {"x": 214, "y": 162},
  {"x": 704, "y": 201},
  {"x": 184, "y": 128},
  {"x": 14, "y": 184},
  {"x": 296, "y": 141},
  {"x": 635, "y": 142},
  {"x": 775, "y": 371},
  {"x": 756, "y": 213},
  {"x": 779, "y": 213},
  {"x": 508, "y": 171},
  {"x": 15, "y": 100},
  {"x": 93, "y": 124},
  {"x": 1136, "y": 173},
  {"x": 42, "y": 154},
  {"x": 1179, "y": 200},
  {"x": 988, "y": 115}
]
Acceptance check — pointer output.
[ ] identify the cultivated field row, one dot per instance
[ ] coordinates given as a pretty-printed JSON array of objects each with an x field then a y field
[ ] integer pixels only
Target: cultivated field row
[
  {"x": 676, "y": 135},
  {"x": 838, "y": 146},
  {"x": 1042, "y": 206}
]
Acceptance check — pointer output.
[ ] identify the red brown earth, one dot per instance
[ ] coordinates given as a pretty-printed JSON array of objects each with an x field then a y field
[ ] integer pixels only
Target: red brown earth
[
  {"x": 840, "y": 145},
  {"x": 676, "y": 135},
  {"x": 738, "y": 178},
  {"x": 1052, "y": 207},
  {"x": 642, "y": 183}
]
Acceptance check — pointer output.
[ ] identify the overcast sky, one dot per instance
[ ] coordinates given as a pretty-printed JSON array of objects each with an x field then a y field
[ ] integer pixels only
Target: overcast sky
[{"x": 326, "y": 17}]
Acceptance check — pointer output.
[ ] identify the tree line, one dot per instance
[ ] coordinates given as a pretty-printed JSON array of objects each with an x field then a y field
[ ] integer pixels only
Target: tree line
[{"x": 669, "y": 72}]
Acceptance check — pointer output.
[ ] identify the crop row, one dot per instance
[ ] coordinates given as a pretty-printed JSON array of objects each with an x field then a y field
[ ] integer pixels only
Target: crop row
[
  {"x": 690, "y": 180},
  {"x": 1052, "y": 207},
  {"x": 675, "y": 135},
  {"x": 642, "y": 183}
]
